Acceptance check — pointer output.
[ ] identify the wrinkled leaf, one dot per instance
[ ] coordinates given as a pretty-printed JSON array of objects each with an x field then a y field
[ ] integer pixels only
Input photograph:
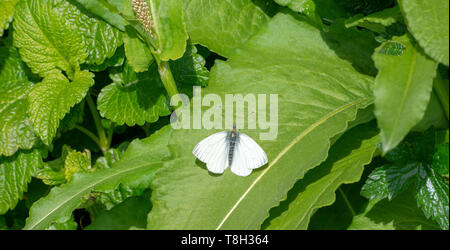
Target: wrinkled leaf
[
  {"x": 51, "y": 99},
  {"x": 6, "y": 13}
]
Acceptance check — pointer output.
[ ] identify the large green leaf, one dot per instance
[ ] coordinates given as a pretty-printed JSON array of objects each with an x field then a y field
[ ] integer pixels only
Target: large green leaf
[
  {"x": 221, "y": 25},
  {"x": 46, "y": 41},
  {"x": 15, "y": 173},
  {"x": 15, "y": 129},
  {"x": 137, "y": 51},
  {"x": 135, "y": 99},
  {"x": 6, "y": 13},
  {"x": 136, "y": 168},
  {"x": 344, "y": 165},
  {"x": 169, "y": 27},
  {"x": 318, "y": 94},
  {"x": 402, "y": 91},
  {"x": 428, "y": 21},
  {"x": 401, "y": 213},
  {"x": 51, "y": 99}
]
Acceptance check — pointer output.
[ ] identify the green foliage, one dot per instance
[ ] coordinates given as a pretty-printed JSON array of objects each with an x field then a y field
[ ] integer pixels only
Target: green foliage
[
  {"x": 429, "y": 23},
  {"x": 414, "y": 161},
  {"x": 15, "y": 174},
  {"x": 362, "y": 103},
  {"x": 222, "y": 26}
]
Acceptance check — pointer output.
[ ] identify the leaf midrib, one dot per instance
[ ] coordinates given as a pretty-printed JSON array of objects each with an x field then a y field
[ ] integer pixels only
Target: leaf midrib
[
  {"x": 284, "y": 152},
  {"x": 85, "y": 189}
]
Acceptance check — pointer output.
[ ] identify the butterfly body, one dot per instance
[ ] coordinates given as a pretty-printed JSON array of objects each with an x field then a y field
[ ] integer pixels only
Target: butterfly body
[{"x": 230, "y": 149}]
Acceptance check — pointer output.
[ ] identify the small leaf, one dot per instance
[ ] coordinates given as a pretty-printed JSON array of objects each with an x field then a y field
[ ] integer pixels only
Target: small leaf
[
  {"x": 221, "y": 25},
  {"x": 169, "y": 28},
  {"x": 136, "y": 169},
  {"x": 377, "y": 21},
  {"x": 190, "y": 70},
  {"x": 15, "y": 174},
  {"x": 433, "y": 196},
  {"x": 402, "y": 91},
  {"x": 136, "y": 99},
  {"x": 51, "y": 99},
  {"x": 428, "y": 21},
  {"x": 388, "y": 181}
]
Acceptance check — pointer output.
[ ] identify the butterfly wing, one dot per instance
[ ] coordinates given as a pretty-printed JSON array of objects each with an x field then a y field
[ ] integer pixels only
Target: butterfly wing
[
  {"x": 213, "y": 150},
  {"x": 247, "y": 156}
]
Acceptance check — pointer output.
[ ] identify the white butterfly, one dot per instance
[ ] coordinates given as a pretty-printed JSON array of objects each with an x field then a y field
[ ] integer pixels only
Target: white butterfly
[{"x": 230, "y": 149}]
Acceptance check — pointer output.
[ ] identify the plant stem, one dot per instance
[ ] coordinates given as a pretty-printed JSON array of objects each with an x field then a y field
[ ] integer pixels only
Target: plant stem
[
  {"x": 88, "y": 133},
  {"x": 347, "y": 202},
  {"x": 166, "y": 77},
  {"x": 441, "y": 89},
  {"x": 103, "y": 142}
]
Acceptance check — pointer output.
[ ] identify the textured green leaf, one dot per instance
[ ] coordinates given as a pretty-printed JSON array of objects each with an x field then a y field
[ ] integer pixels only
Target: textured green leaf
[
  {"x": 137, "y": 99},
  {"x": 356, "y": 46},
  {"x": 51, "y": 99},
  {"x": 432, "y": 196},
  {"x": 131, "y": 213},
  {"x": 401, "y": 213},
  {"x": 6, "y": 13},
  {"x": 428, "y": 21},
  {"x": 101, "y": 39},
  {"x": 440, "y": 159},
  {"x": 319, "y": 93},
  {"x": 15, "y": 129},
  {"x": 389, "y": 180},
  {"x": 376, "y": 21},
  {"x": 76, "y": 162},
  {"x": 402, "y": 91},
  {"x": 46, "y": 41},
  {"x": 136, "y": 168},
  {"x": 302, "y": 6},
  {"x": 169, "y": 27},
  {"x": 138, "y": 53},
  {"x": 15, "y": 174},
  {"x": 344, "y": 165},
  {"x": 221, "y": 25}
]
